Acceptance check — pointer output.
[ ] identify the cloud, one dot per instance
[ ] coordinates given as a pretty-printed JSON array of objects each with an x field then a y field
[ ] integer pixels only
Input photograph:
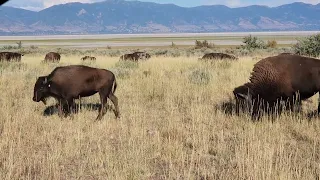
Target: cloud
[
  {"x": 48, "y": 3},
  {"x": 37, "y": 5},
  {"x": 241, "y": 3}
]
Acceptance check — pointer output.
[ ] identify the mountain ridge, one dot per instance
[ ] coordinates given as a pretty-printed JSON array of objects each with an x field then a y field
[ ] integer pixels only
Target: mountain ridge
[{"x": 119, "y": 16}]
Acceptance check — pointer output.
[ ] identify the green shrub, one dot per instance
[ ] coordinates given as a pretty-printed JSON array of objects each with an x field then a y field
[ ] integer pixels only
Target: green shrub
[
  {"x": 272, "y": 44},
  {"x": 127, "y": 64},
  {"x": 309, "y": 46},
  {"x": 121, "y": 73},
  {"x": 252, "y": 43},
  {"x": 161, "y": 52},
  {"x": 9, "y": 47},
  {"x": 202, "y": 44},
  {"x": 200, "y": 77},
  {"x": 173, "y": 45}
]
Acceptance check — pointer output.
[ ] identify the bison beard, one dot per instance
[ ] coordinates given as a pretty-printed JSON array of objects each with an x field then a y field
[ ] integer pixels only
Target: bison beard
[
  {"x": 67, "y": 83},
  {"x": 279, "y": 82}
]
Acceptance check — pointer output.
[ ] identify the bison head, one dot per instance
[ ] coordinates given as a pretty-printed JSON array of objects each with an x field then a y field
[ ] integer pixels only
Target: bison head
[
  {"x": 41, "y": 89},
  {"x": 243, "y": 97}
]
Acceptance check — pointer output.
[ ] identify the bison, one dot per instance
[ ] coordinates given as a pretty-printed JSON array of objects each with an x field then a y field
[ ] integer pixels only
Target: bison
[
  {"x": 88, "y": 58},
  {"x": 52, "y": 57},
  {"x": 142, "y": 55},
  {"x": 10, "y": 56},
  {"x": 218, "y": 56},
  {"x": 285, "y": 78},
  {"x": 67, "y": 83},
  {"x": 126, "y": 57},
  {"x": 135, "y": 56}
]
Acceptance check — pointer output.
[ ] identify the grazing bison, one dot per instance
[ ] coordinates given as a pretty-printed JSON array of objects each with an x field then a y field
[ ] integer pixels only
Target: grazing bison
[
  {"x": 88, "y": 58},
  {"x": 142, "y": 55},
  {"x": 126, "y": 57},
  {"x": 52, "y": 57},
  {"x": 10, "y": 56},
  {"x": 67, "y": 83},
  {"x": 218, "y": 56},
  {"x": 285, "y": 78},
  {"x": 135, "y": 56}
]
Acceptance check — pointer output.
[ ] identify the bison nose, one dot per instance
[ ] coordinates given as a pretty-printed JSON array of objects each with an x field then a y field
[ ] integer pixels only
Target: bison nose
[{"x": 34, "y": 99}]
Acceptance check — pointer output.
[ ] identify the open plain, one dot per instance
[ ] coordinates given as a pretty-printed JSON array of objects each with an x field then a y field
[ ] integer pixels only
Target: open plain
[
  {"x": 176, "y": 123},
  {"x": 150, "y": 40}
]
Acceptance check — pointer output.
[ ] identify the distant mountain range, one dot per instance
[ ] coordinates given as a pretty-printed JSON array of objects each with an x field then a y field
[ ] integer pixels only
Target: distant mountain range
[{"x": 118, "y": 16}]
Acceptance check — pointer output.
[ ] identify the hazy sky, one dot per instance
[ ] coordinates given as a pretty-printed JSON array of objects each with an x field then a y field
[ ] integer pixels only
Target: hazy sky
[{"x": 40, "y": 4}]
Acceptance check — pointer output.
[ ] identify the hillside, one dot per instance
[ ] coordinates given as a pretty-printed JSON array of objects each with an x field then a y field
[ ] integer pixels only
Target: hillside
[{"x": 117, "y": 16}]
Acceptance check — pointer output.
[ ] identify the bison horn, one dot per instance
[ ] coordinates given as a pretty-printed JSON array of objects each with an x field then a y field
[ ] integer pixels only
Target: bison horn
[
  {"x": 247, "y": 97},
  {"x": 45, "y": 80},
  {"x": 242, "y": 95}
]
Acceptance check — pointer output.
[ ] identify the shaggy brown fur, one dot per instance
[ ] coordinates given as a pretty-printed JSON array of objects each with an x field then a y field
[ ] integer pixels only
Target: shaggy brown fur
[
  {"x": 10, "y": 56},
  {"x": 88, "y": 58},
  {"x": 142, "y": 55},
  {"x": 67, "y": 83},
  {"x": 217, "y": 56},
  {"x": 135, "y": 56},
  {"x": 284, "y": 77},
  {"x": 52, "y": 57}
]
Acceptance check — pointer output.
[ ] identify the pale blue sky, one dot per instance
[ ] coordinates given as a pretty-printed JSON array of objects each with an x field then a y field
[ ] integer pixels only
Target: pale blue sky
[{"x": 40, "y": 4}]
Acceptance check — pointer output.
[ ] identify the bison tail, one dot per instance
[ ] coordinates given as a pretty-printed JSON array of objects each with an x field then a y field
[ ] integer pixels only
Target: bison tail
[{"x": 114, "y": 86}]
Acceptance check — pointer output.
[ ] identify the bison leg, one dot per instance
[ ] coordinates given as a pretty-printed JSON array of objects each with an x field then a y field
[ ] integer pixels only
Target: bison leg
[
  {"x": 114, "y": 100},
  {"x": 71, "y": 107},
  {"x": 102, "y": 110},
  {"x": 60, "y": 109},
  {"x": 319, "y": 104}
]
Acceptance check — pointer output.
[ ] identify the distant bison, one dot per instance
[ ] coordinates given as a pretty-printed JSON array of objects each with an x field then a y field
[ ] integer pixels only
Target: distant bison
[
  {"x": 126, "y": 57},
  {"x": 142, "y": 55},
  {"x": 67, "y": 83},
  {"x": 135, "y": 56},
  {"x": 10, "y": 56},
  {"x": 88, "y": 58},
  {"x": 284, "y": 78},
  {"x": 218, "y": 56},
  {"x": 52, "y": 57}
]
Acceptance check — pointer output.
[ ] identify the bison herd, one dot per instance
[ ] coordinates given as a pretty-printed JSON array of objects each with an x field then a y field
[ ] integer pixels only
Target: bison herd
[{"x": 276, "y": 83}]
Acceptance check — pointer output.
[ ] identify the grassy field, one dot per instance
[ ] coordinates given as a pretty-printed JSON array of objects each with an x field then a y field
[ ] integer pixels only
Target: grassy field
[
  {"x": 182, "y": 40},
  {"x": 172, "y": 126}
]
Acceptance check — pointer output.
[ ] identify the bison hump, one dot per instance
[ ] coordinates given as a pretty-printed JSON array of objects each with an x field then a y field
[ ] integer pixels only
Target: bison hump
[{"x": 268, "y": 80}]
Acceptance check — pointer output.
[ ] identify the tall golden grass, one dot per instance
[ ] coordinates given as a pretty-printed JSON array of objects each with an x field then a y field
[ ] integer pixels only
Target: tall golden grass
[{"x": 170, "y": 127}]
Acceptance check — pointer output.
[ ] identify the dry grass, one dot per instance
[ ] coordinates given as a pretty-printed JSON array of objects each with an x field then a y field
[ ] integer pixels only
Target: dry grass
[{"x": 169, "y": 129}]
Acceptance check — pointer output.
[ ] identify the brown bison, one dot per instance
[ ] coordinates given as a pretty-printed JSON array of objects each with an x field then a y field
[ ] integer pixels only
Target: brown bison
[
  {"x": 280, "y": 80},
  {"x": 126, "y": 57},
  {"x": 88, "y": 58},
  {"x": 52, "y": 57},
  {"x": 135, "y": 56},
  {"x": 142, "y": 55},
  {"x": 218, "y": 56},
  {"x": 10, "y": 56},
  {"x": 67, "y": 83}
]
